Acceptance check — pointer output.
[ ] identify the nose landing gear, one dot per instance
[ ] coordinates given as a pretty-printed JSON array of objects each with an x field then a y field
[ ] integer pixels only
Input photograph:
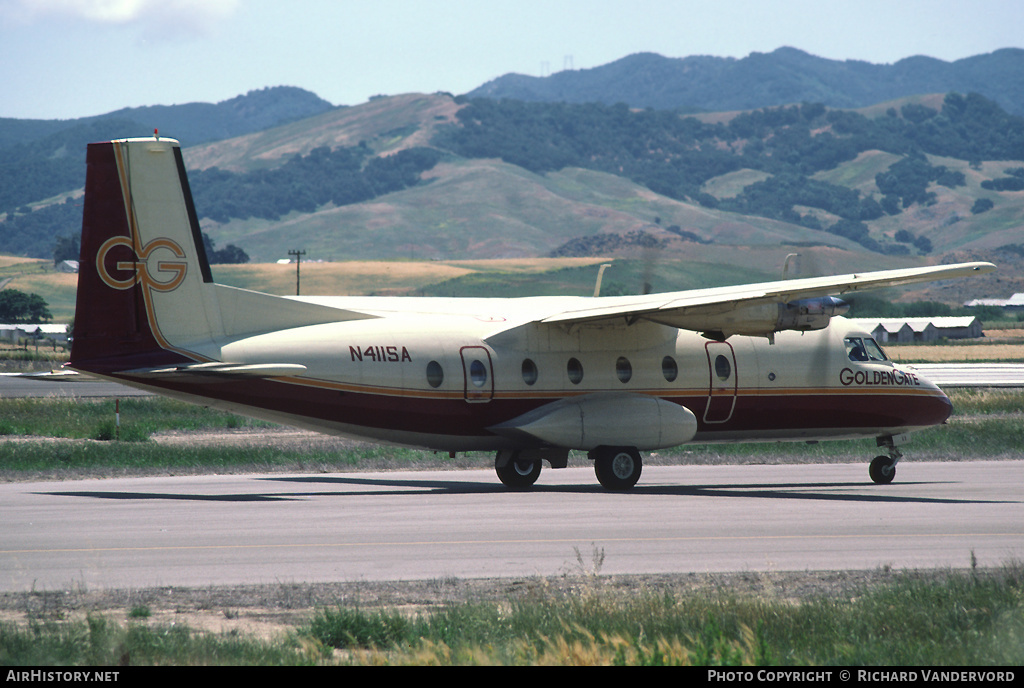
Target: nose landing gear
[{"x": 883, "y": 468}]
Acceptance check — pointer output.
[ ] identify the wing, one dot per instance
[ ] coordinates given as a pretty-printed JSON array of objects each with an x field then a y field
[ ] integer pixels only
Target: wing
[{"x": 755, "y": 309}]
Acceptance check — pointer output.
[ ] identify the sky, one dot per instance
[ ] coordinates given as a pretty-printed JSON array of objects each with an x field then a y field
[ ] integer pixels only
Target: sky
[{"x": 62, "y": 59}]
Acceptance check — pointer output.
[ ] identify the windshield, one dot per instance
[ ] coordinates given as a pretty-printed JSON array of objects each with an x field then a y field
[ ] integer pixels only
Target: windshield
[{"x": 864, "y": 349}]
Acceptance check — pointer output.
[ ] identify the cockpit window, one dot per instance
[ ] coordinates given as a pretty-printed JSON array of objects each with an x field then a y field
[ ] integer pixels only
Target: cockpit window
[
  {"x": 864, "y": 349},
  {"x": 875, "y": 352}
]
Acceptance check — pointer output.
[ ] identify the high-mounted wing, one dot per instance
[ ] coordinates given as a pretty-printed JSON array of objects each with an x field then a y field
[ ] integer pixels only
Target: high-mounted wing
[{"x": 755, "y": 309}]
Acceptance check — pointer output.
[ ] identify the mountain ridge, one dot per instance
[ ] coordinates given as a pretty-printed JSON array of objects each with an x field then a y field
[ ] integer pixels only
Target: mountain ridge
[
  {"x": 193, "y": 123},
  {"x": 783, "y": 77}
]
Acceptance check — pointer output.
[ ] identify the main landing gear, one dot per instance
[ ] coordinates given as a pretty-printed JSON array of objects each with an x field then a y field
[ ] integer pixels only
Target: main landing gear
[
  {"x": 883, "y": 468},
  {"x": 520, "y": 468},
  {"x": 516, "y": 472},
  {"x": 617, "y": 468}
]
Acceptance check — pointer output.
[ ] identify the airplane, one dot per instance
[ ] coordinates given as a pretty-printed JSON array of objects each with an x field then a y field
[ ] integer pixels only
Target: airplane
[{"x": 530, "y": 379}]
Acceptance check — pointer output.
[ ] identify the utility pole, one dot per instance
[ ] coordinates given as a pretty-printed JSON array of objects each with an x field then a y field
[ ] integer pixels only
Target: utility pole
[{"x": 298, "y": 260}]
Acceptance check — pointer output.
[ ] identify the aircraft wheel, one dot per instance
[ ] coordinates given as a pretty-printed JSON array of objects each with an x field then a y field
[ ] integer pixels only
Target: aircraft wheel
[
  {"x": 882, "y": 470},
  {"x": 518, "y": 474},
  {"x": 617, "y": 468}
]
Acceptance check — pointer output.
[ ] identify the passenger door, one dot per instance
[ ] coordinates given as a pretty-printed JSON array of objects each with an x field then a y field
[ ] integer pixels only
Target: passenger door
[
  {"x": 722, "y": 382},
  {"x": 478, "y": 374}
]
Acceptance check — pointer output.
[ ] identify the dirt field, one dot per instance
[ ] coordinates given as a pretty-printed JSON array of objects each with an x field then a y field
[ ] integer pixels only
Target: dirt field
[{"x": 963, "y": 353}]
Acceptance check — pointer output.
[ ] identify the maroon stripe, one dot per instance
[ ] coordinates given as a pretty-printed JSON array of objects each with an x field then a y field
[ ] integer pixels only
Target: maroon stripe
[{"x": 456, "y": 417}]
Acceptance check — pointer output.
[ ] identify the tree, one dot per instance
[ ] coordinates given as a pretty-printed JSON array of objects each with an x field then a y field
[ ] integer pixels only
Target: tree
[
  {"x": 230, "y": 254},
  {"x": 19, "y": 307},
  {"x": 66, "y": 248},
  {"x": 982, "y": 205}
]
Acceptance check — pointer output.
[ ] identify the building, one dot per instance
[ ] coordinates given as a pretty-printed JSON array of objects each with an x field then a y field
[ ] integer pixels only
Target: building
[
  {"x": 1015, "y": 301},
  {"x": 909, "y": 330},
  {"x": 16, "y": 334}
]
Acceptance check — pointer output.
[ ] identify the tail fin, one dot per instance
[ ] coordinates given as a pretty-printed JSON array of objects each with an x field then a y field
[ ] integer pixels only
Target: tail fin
[
  {"x": 146, "y": 297},
  {"x": 143, "y": 270}
]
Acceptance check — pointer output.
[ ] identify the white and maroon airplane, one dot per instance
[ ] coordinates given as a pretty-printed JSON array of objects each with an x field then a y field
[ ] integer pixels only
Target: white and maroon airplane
[{"x": 528, "y": 378}]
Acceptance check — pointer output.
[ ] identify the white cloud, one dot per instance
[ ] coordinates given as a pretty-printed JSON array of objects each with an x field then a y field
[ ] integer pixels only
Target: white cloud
[{"x": 176, "y": 16}]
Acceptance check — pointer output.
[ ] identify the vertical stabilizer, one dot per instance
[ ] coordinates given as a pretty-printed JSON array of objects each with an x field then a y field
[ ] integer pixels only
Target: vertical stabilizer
[{"x": 144, "y": 286}]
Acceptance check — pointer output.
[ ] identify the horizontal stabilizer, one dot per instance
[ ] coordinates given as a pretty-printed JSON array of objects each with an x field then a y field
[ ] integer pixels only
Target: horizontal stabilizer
[
  {"x": 54, "y": 376},
  {"x": 199, "y": 372},
  {"x": 245, "y": 312}
]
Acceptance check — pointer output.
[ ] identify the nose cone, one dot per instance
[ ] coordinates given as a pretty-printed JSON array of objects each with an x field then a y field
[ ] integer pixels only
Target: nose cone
[
  {"x": 930, "y": 406},
  {"x": 947, "y": 406}
]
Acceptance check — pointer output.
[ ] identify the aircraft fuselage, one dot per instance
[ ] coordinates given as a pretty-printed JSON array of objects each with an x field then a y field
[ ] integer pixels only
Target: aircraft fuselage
[{"x": 437, "y": 378}]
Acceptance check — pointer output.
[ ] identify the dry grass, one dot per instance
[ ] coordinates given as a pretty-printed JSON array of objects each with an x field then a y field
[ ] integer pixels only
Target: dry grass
[
  {"x": 910, "y": 353},
  {"x": 362, "y": 277}
]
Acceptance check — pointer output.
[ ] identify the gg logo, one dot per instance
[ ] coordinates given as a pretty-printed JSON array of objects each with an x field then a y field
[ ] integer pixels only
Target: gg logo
[{"x": 159, "y": 281}]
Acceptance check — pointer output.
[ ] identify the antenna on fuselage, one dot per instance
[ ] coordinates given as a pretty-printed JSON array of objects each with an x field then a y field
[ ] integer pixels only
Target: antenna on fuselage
[{"x": 600, "y": 276}]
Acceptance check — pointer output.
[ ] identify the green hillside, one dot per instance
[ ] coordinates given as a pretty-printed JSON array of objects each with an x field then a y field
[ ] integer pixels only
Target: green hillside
[{"x": 889, "y": 186}]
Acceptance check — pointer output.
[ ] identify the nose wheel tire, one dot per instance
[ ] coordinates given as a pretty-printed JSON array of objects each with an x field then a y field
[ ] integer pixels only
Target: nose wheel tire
[
  {"x": 882, "y": 470},
  {"x": 518, "y": 475},
  {"x": 617, "y": 468}
]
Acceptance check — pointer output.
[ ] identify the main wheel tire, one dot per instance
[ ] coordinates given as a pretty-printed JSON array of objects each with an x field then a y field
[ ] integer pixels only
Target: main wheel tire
[
  {"x": 517, "y": 474},
  {"x": 617, "y": 468},
  {"x": 882, "y": 470}
]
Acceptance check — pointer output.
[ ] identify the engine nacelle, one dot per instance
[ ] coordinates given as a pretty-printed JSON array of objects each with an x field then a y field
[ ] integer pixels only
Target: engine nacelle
[
  {"x": 762, "y": 320},
  {"x": 809, "y": 314}
]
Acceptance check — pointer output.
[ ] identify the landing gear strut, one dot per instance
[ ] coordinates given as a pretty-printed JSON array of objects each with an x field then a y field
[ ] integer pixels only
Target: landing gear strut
[{"x": 883, "y": 468}]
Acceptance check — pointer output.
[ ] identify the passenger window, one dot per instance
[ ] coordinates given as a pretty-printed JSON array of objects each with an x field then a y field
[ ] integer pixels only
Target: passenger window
[
  {"x": 478, "y": 373},
  {"x": 529, "y": 371},
  {"x": 623, "y": 369},
  {"x": 435, "y": 374},
  {"x": 669, "y": 368},
  {"x": 723, "y": 369},
  {"x": 575, "y": 371}
]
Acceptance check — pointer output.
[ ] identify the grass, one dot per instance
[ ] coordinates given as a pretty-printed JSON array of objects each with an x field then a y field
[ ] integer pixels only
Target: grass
[
  {"x": 987, "y": 423},
  {"x": 970, "y": 618},
  {"x": 961, "y": 620},
  {"x": 73, "y": 418}
]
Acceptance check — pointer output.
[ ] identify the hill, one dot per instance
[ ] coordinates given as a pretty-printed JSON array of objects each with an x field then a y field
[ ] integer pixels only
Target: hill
[
  {"x": 434, "y": 177},
  {"x": 192, "y": 123},
  {"x": 518, "y": 179},
  {"x": 40, "y": 159},
  {"x": 782, "y": 77},
  {"x": 489, "y": 203}
]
